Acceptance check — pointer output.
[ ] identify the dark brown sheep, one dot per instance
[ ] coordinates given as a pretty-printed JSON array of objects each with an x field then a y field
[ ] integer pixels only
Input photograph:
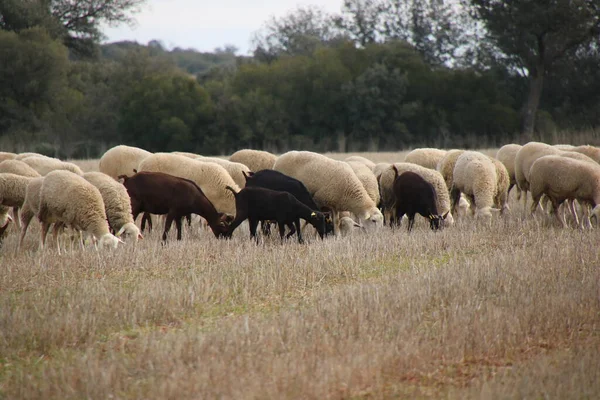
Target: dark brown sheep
[
  {"x": 159, "y": 193},
  {"x": 414, "y": 195},
  {"x": 260, "y": 204}
]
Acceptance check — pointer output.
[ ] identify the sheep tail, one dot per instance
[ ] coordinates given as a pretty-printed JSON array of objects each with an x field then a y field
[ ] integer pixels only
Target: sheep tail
[
  {"x": 231, "y": 189},
  {"x": 248, "y": 175},
  {"x": 395, "y": 171},
  {"x": 124, "y": 177}
]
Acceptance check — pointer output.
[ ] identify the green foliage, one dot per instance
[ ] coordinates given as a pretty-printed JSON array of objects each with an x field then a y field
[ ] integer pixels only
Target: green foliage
[
  {"x": 165, "y": 112},
  {"x": 33, "y": 76}
]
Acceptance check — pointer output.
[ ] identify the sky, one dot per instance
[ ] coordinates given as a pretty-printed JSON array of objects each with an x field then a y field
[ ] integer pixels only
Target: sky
[{"x": 207, "y": 24}]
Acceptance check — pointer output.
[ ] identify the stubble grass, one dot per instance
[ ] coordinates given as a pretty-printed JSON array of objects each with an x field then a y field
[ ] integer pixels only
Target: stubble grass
[{"x": 507, "y": 310}]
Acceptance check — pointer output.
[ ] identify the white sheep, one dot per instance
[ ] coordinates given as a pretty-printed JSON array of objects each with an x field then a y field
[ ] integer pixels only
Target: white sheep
[
  {"x": 333, "y": 184},
  {"x": 502, "y": 185},
  {"x": 31, "y": 205},
  {"x": 21, "y": 156},
  {"x": 446, "y": 165},
  {"x": 367, "y": 178},
  {"x": 592, "y": 152},
  {"x": 186, "y": 154},
  {"x": 475, "y": 176},
  {"x": 507, "y": 155},
  {"x": 212, "y": 178},
  {"x": 4, "y": 155},
  {"x": 18, "y": 167},
  {"x": 44, "y": 165},
  {"x": 117, "y": 204},
  {"x": 363, "y": 160},
  {"x": 388, "y": 199},
  {"x": 348, "y": 226},
  {"x": 379, "y": 168},
  {"x": 235, "y": 169},
  {"x": 69, "y": 199},
  {"x": 12, "y": 191},
  {"x": 562, "y": 178},
  {"x": 425, "y": 157},
  {"x": 525, "y": 158},
  {"x": 256, "y": 160},
  {"x": 121, "y": 160}
]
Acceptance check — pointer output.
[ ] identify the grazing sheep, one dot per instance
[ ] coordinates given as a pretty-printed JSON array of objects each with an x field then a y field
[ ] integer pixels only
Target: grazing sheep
[
  {"x": 332, "y": 184},
  {"x": 256, "y": 160},
  {"x": 475, "y": 176},
  {"x": 425, "y": 157},
  {"x": 31, "y": 205},
  {"x": 235, "y": 169},
  {"x": 5, "y": 220},
  {"x": 160, "y": 193},
  {"x": 44, "y": 165},
  {"x": 562, "y": 178},
  {"x": 21, "y": 156},
  {"x": 121, "y": 160},
  {"x": 210, "y": 177},
  {"x": 379, "y": 168},
  {"x": 275, "y": 180},
  {"x": 117, "y": 204},
  {"x": 18, "y": 168},
  {"x": 507, "y": 155},
  {"x": 348, "y": 226},
  {"x": 362, "y": 160},
  {"x": 386, "y": 183},
  {"x": 69, "y": 199},
  {"x": 502, "y": 185},
  {"x": 592, "y": 152},
  {"x": 12, "y": 191},
  {"x": 415, "y": 195},
  {"x": 366, "y": 176},
  {"x": 446, "y": 165},
  {"x": 260, "y": 204},
  {"x": 525, "y": 158},
  {"x": 7, "y": 156}
]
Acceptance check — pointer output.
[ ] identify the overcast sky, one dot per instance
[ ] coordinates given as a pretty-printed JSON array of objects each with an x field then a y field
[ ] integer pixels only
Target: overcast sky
[{"x": 207, "y": 24}]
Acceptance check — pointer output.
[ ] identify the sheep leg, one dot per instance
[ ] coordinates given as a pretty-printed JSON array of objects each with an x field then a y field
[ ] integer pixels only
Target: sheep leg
[
  {"x": 55, "y": 237},
  {"x": 454, "y": 199},
  {"x": 45, "y": 227},
  {"x": 281, "y": 227},
  {"x": 300, "y": 238},
  {"x": 167, "y": 227},
  {"x": 26, "y": 220},
  {"x": 292, "y": 230},
  {"x": 558, "y": 215},
  {"x": 178, "y": 225},
  {"x": 411, "y": 222},
  {"x": 253, "y": 226},
  {"x": 189, "y": 219},
  {"x": 15, "y": 211},
  {"x": 571, "y": 204}
]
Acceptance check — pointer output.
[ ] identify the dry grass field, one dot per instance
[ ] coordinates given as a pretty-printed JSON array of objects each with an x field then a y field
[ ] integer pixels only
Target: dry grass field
[{"x": 507, "y": 310}]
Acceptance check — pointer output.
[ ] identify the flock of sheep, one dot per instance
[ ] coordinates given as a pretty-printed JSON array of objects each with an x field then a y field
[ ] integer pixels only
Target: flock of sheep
[{"x": 357, "y": 191}]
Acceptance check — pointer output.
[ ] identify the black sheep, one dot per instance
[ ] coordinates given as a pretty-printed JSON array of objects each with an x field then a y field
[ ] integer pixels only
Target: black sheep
[
  {"x": 275, "y": 180},
  {"x": 260, "y": 204},
  {"x": 415, "y": 195}
]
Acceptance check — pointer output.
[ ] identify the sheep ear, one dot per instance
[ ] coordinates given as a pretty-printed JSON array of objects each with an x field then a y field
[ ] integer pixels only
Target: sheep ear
[
  {"x": 445, "y": 215},
  {"x": 140, "y": 236},
  {"x": 431, "y": 216},
  {"x": 120, "y": 231},
  {"x": 313, "y": 214}
]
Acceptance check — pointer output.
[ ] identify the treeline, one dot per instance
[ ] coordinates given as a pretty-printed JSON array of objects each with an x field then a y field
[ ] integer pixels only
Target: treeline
[{"x": 314, "y": 82}]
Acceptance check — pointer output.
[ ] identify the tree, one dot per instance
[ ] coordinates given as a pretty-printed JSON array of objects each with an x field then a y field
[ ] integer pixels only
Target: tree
[
  {"x": 298, "y": 33},
  {"x": 362, "y": 20},
  {"x": 535, "y": 35},
  {"x": 75, "y": 22}
]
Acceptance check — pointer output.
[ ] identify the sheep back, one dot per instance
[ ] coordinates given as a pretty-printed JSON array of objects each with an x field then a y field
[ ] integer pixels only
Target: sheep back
[
  {"x": 425, "y": 157},
  {"x": 446, "y": 165},
  {"x": 18, "y": 168},
  {"x": 367, "y": 178},
  {"x": 12, "y": 189},
  {"x": 525, "y": 158},
  {"x": 362, "y": 160},
  {"x": 256, "y": 160},
  {"x": 4, "y": 155},
  {"x": 67, "y": 197},
  {"x": 333, "y": 184},
  {"x": 475, "y": 176},
  {"x": 210, "y": 177},
  {"x": 507, "y": 155},
  {"x": 386, "y": 183},
  {"x": 121, "y": 160},
  {"x": 234, "y": 169},
  {"x": 117, "y": 203},
  {"x": 44, "y": 165}
]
